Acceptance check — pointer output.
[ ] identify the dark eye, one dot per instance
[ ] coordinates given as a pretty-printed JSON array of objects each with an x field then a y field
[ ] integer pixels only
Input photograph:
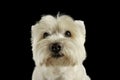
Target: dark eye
[
  {"x": 46, "y": 34},
  {"x": 68, "y": 34}
]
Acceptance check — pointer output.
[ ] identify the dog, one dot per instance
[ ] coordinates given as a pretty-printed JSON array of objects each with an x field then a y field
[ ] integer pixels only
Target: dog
[{"x": 58, "y": 48}]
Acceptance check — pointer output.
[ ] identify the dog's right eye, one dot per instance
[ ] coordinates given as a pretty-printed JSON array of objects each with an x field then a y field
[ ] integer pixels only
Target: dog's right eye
[{"x": 46, "y": 34}]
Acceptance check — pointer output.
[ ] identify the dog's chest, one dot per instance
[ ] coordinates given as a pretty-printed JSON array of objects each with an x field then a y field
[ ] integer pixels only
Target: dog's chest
[
  {"x": 59, "y": 74},
  {"x": 54, "y": 74}
]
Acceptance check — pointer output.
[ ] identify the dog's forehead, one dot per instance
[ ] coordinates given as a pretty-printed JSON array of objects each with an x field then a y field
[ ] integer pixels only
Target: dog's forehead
[
  {"x": 66, "y": 23},
  {"x": 60, "y": 23},
  {"x": 49, "y": 21}
]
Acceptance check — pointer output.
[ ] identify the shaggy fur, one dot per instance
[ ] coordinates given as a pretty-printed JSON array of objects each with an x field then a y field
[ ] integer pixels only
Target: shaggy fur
[{"x": 67, "y": 67}]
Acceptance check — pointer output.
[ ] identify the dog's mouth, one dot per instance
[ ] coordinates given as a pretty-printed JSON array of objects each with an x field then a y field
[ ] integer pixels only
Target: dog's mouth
[{"x": 57, "y": 55}]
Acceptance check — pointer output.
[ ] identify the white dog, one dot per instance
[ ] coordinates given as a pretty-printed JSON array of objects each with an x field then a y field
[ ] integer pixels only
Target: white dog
[{"x": 58, "y": 49}]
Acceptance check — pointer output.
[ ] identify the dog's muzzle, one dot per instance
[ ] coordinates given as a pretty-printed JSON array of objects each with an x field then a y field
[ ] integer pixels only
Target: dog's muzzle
[{"x": 56, "y": 48}]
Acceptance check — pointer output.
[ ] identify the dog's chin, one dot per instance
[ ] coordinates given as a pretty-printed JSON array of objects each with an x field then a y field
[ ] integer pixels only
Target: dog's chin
[
  {"x": 57, "y": 55},
  {"x": 59, "y": 60}
]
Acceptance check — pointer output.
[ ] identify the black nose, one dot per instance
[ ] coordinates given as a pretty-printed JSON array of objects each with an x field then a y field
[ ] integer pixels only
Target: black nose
[{"x": 55, "y": 47}]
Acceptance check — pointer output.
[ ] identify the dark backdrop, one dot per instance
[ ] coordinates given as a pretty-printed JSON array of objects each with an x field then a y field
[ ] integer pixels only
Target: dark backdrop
[{"x": 99, "y": 21}]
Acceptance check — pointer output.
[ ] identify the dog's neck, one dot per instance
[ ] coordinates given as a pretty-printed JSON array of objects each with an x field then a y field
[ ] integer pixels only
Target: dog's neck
[
  {"x": 59, "y": 72},
  {"x": 56, "y": 70}
]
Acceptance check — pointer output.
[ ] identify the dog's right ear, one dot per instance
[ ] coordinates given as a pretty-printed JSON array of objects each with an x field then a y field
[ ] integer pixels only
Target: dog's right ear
[
  {"x": 33, "y": 33},
  {"x": 82, "y": 26}
]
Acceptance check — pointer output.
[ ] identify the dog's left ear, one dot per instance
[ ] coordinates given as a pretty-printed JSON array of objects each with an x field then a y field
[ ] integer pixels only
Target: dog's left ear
[{"x": 82, "y": 26}]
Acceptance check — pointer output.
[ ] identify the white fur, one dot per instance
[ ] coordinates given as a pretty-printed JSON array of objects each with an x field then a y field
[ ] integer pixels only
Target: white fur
[{"x": 68, "y": 67}]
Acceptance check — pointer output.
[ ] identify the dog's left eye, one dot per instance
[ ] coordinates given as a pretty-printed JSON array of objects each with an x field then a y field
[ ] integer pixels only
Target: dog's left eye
[
  {"x": 46, "y": 34},
  {"x": 68, "y": 34}
]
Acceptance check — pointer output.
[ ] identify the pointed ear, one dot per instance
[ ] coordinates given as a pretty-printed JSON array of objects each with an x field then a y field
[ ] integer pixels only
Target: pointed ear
[
  {"x": 82, "y": 26},
  {"x": 33, "y": 33}
]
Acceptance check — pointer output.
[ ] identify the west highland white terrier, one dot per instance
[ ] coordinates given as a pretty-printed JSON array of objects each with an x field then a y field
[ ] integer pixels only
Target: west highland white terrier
[{"x": 58, "y": 48}]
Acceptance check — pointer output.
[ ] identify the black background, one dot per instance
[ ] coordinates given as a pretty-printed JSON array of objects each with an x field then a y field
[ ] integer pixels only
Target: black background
[{"x": 100, "y": 19}]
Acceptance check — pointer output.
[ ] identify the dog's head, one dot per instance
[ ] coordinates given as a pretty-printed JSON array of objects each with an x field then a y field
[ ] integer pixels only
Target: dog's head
[{"x": 58, "y": 41}]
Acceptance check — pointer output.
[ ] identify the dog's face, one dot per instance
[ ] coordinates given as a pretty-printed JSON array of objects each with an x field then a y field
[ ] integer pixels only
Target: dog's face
[{"x": 58, "y": 41}]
